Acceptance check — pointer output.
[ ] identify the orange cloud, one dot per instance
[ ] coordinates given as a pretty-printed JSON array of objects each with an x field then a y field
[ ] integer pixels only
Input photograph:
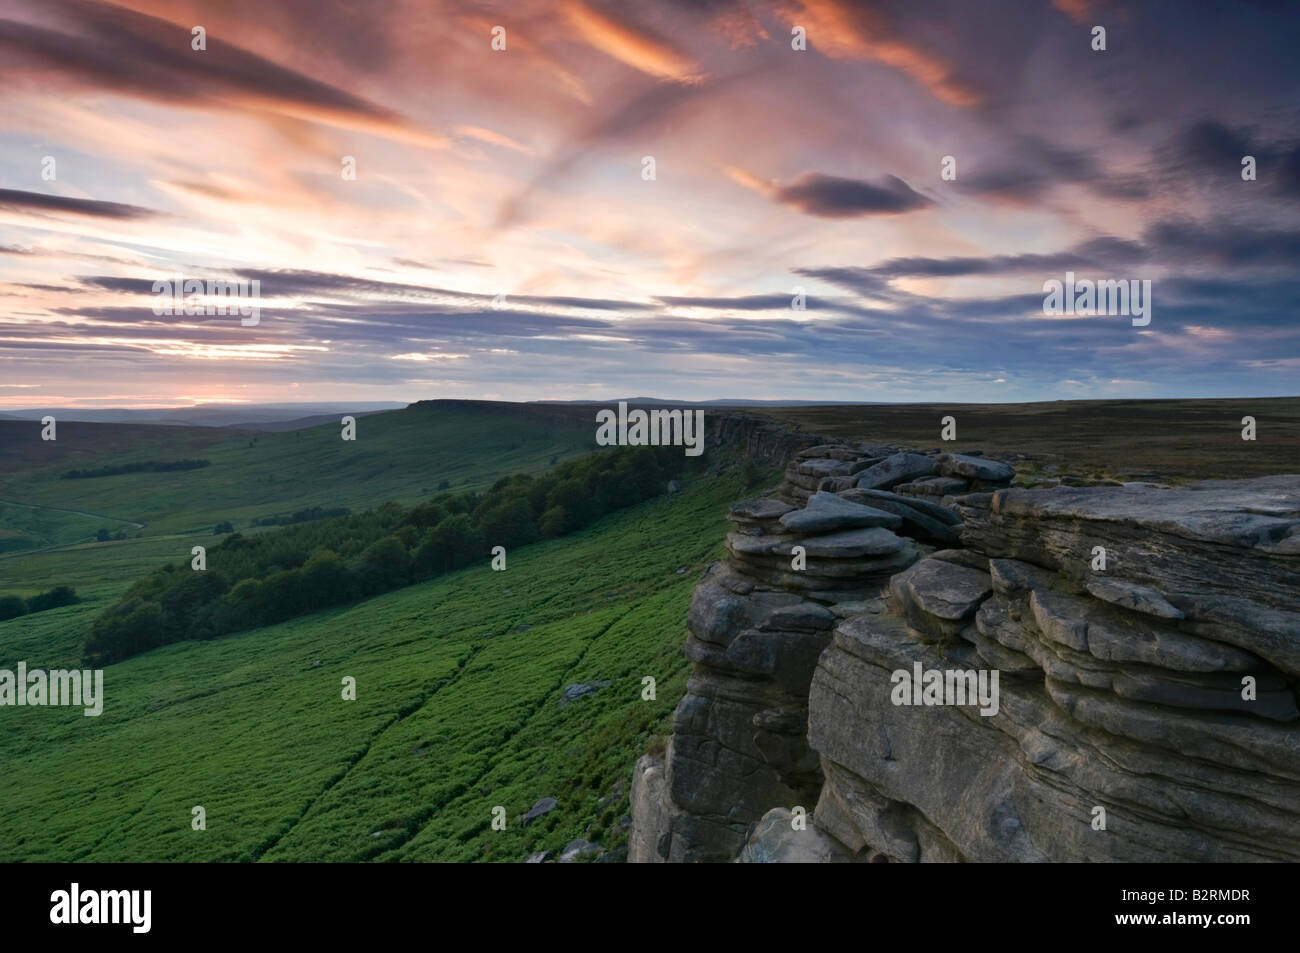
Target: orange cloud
[
  {"x": 739, "y": 27},
  {"x": 633, "y": 45},
  {"x": 1076, "y": 10},
  {"x": 493, "y": 138},
  {"x": 842, "y": 31}
]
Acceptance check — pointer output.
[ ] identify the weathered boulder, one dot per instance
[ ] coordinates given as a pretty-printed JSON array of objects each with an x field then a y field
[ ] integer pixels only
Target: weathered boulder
[
  {"x": 939, "y": 486},
  {"x": 899, "y": 468},
  {"x": 580, "y": 850},
  {"x": 826, "y": 512},
  {"x": 775, "y": 840},
  {"x": 542, "y": 807},
  {"x": 975, "y": 468},
  {"x": 581, "y": 690}
]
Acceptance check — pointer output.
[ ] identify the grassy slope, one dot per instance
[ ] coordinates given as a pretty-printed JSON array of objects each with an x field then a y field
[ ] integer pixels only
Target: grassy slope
[
  {"x": 457, "y": 711},
  {"x": 100, "y": 572}
]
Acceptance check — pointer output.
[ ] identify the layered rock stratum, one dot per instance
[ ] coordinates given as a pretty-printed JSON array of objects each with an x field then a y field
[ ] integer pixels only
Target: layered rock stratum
[{"x": 1145, "y": 643}]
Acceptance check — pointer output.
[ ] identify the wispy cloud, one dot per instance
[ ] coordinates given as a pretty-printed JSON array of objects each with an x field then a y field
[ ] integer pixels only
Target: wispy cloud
[
  {"x": 614, "y": 33},
  {"x": 502, "y": 233},
  {"x": 17, "y": 200}
]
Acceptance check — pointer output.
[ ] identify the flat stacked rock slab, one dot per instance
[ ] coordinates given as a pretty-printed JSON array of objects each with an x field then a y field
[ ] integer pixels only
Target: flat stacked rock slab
[
  {"x": 825, "y": 512},
  {"x": 896, "y": 469},
  {"x": 837, "y": 468},
  {"x": 1123, "y": 689},
  {"x": 1223, "y": 553},
  {"x": 922, "y": 519},
  {"x": 757, "y": 624},
  {"x": 841, "y": 545}
]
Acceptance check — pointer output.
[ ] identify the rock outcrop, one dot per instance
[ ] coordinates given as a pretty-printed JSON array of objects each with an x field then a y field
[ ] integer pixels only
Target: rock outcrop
[
  {"x": 760, "y": 438},
  {"x": 1146, "y": 642},
  {"x": 757, "y": 624},
  {"x": 874, "y": 469},
  {"x": 1101, "y": 673}
]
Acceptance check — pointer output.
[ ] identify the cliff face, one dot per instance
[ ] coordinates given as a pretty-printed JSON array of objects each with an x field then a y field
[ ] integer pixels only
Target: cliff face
[
  {"x": 1133, "y": 655},
  {"x": 760, "y": 438},
  {"x": 756, "y": 629},
  {"x": 757, "y": 624}
]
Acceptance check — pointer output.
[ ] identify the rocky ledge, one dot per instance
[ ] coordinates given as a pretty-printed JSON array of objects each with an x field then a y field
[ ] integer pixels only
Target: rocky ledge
[
  {"x": 757, "y": 624},
  {"x": 1133, "y": 657}
]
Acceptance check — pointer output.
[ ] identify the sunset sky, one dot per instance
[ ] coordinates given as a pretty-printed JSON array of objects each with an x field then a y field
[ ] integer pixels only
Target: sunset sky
[{"x": 519, "y": 172}]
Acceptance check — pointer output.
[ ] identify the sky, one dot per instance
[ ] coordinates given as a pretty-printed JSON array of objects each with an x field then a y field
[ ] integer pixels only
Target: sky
[{"x": 661, "y": 198}]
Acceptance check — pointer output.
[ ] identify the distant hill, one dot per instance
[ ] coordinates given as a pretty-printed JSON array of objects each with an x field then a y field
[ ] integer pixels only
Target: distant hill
[
  {"x": 404, "y": 455},
  {"x": 247, "y": 416},
  {"x": 721, "y": 402}
]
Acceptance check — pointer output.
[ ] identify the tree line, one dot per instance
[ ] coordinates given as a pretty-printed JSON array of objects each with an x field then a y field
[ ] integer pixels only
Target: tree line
[
  {"x": 301, "y": 516},
  {"x": 11, "y": 607},
  {"x": 143, "y": 466},
  {"x": 258, "y": 580}
]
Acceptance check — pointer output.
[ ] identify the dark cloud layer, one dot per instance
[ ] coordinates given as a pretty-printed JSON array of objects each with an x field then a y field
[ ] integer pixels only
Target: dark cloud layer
[
  {"x": 21, "y": 201},
  {"x": 832, "y": 197},
  {"x": 110, "y": 48}
]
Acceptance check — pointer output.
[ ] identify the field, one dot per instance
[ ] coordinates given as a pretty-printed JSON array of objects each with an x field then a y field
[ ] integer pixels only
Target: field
[
  {"x": 1172, "y": 440},
  {"x": 459, "y": 687},
  {"x": 459, "y": 680}
]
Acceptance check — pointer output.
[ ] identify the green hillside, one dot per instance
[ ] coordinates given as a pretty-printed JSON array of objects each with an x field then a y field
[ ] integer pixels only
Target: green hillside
[
  {"x": 402, "y": 455},
  {"x": 459, "y": 706}
]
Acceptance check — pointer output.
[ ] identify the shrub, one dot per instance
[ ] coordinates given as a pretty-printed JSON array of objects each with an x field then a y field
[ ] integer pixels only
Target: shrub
[
  {"x": 182, "y": 603},
  {"x": 554, "y": 522},
  {"x": 451, "y": 545},
  {"x": 56, "y": 597},
  {"x": 572, "y": 497},
  {"x": 508, "y": 524},
  {"x": 131, "y": 628},
  {"x": 426, "y": 515},
  {"x": 11, "y": 607},
  {"x": 384, "y": 565}
]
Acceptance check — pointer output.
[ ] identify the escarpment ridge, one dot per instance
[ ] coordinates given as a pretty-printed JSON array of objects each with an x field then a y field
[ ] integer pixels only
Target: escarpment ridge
[{"x": 1141, "y": 645}]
